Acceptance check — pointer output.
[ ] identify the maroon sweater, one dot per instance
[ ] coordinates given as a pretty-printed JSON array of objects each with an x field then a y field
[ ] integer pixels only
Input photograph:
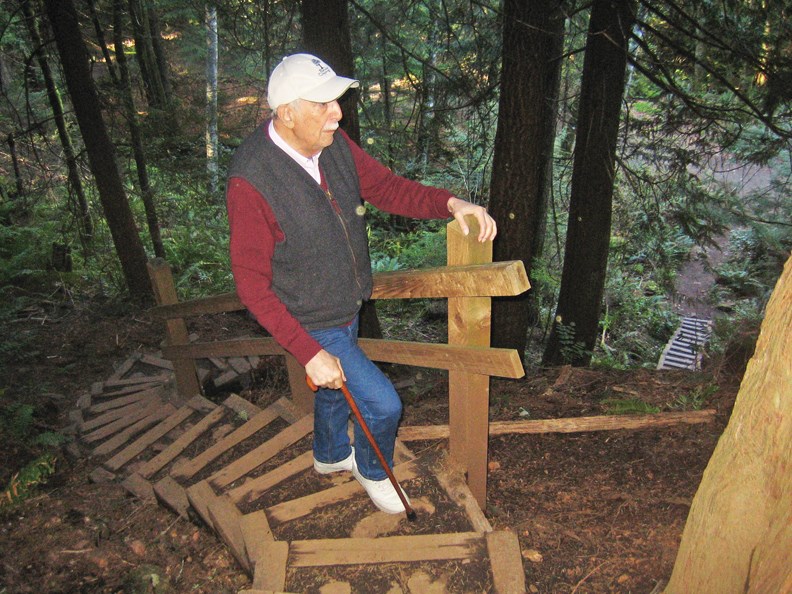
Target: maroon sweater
[{"x": 255, "y": 232}]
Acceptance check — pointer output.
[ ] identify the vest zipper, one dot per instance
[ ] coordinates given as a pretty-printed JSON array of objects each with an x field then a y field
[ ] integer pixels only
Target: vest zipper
[{"x": 337, "y": 210}]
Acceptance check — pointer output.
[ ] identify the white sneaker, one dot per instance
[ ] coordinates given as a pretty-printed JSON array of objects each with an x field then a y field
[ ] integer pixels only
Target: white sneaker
[
  {"x": 382, "y": 493},
  {"x": 347, "y": 463}
]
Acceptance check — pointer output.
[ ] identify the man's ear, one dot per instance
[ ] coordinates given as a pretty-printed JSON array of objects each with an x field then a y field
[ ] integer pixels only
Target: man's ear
[{"x": 286, "y": 115}]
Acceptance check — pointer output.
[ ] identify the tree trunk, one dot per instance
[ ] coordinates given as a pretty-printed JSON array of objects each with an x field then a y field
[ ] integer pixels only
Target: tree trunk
[
  {"x": 18, "y": 184},
  {"x": 56, "y": 104},
  {"x": 100, "y": 149},
  {"x": 100, "y": 38},
  {"x": 326, "y": 35},
  {"x": 125, "y": 88},
  {"x": 533, "y": 34},
  {"x": 154, "y": 82},
  {"x": 574, "y": 331},
  {"x": 212, "y": 166},
  {"x": 738, "y": 534}
]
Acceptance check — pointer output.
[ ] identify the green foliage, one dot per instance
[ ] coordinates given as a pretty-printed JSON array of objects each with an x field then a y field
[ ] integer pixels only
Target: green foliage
[
  {"x": 696, "y": 399},
  {"x": 17, "y": 428},
  {"x": 628, "y": 406},
  {"x": 24, "y": 482},
  {"x": 571, "y": 348}
]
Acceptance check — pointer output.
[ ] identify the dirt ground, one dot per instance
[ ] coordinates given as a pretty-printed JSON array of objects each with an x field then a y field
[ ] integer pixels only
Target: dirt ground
[{"x": 594, "y": 512}]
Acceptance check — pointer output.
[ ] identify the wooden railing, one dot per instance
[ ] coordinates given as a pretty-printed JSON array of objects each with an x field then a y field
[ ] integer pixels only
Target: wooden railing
[{"x": 469, "y": 282}]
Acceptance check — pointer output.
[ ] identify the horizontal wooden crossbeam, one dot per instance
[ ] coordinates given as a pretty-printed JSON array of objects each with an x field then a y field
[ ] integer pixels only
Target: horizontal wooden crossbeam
[
  {"x": 497, "y": 279},
  {"x": 481, "y": 360}
]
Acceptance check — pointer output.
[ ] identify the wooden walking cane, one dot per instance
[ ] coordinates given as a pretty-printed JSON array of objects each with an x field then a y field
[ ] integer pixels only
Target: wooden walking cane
[{"x": 356, "y": 411}]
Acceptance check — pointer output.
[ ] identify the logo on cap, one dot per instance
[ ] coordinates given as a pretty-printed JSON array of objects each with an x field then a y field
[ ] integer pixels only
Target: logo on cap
[{"x": 323, "y": 68}]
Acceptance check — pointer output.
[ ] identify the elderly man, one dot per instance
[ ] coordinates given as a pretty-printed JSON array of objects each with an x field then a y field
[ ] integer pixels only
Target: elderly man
[{"x": 299, "y": 254}]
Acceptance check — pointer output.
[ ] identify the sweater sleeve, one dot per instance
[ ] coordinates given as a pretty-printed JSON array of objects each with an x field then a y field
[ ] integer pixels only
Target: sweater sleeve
[
  {"x": 254, "y": 234},
  {"x": 395, "y": 194}
]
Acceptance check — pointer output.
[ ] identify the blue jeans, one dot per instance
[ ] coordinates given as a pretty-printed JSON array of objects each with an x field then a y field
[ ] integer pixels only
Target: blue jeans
[{"x": 375, "y": 396}]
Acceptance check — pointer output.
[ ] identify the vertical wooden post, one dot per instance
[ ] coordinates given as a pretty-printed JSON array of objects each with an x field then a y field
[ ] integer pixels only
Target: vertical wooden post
[
  {"x": 469, "y": 321},
  {"x": 301, "y": 394},
  {"x": 187, "y": 384}
]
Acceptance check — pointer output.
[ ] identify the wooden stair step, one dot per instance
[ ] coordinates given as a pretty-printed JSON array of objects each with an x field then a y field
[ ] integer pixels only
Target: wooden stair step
[
  {"x": 167, "y": 455},
  {"x": 262, "y": 453},
  {"x": 191, "y": 467},
  {"x": 137, "y": 412},
  {"x": 171, "y": 422},
  {"x": 122, "y": 401},
  {"x": 118, "y": 413},
  {"x": 125, "y": 435},
  {"x": 302, "y": 506},
  {"x": 254, "y": 488}
]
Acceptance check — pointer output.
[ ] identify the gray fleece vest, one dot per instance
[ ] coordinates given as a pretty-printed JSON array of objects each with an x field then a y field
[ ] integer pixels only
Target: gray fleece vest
[{"x": 322, "y": 270}]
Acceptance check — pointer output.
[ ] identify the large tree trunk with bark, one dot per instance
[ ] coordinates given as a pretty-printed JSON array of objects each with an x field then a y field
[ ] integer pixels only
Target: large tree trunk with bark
[
  {"x": 54, "y": 98},
  {"x": 326, "y": 35},
  {"x": 738, "y": 534},
  {"x": 100, "y": 149},
  {"x": 574, "y": 331},
  {"x": 522, "y": 163}
]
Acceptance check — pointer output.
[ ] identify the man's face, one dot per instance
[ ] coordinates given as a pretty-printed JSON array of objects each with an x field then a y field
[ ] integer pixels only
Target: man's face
[{"x": 312, "y": 126}]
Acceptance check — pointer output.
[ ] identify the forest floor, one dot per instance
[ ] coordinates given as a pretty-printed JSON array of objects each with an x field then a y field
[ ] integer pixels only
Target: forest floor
[{"x": 594, "y": 512}]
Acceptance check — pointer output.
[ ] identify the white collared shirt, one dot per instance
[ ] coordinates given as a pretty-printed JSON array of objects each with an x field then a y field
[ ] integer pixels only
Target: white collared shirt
[{"x": 310, "y": 164}]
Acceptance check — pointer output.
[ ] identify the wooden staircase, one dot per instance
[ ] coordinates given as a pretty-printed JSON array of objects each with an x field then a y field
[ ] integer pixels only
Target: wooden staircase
[{"x": 237, "y": 467}]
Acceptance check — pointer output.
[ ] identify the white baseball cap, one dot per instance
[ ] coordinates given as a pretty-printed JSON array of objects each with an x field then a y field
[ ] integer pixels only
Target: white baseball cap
[{"x": 303, "y": 76}]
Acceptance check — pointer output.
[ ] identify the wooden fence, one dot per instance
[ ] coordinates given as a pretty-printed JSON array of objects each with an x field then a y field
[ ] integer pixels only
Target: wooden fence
[{"x": 469, "y": 282}]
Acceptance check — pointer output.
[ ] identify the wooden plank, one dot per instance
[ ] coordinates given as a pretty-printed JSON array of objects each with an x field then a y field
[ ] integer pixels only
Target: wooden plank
[
  {"x": 255, "y": 530},
  {"x": 125, "y": 421},
  {"x": 301, "y": 395},
  {"x": 124, "y": 436},
  {"x": 126, "y": 400},
  {"x": 138, "y": 486},
  {"x": 494, "y": 279},
  {"x": 136, "y": 381},
  {"x": 151, "y": 436},
  {"x": 468, "y": 389},
  {"x": 270, "y": 565},
  {"x": 570, "y": 424},
  {"x": 128, "y": 364},
  {"x": 200, "y": 495},
  {"x": 167, "y": 455},
  {"x": 200, "y": 404},
  {"x": 207, "y": 305},
  {"x": 241, "y": 405},
  {"x": 240, "y": 364},
  {"x": 390, "y": 549},
  {"x": 452, "y": 480},
  {"x": 262, "y": 453},
  {"x": 118, "y": 413},
  {"x": 157, "y": 362},
  {"x": 175, "y": 329},
  {"x": 297, "y": 508},
  {"x": 287, "y": 410},
  {"x": 226, "y": 519},
  {"x": 129, "y": 390},
  {"x": 254, "y": 488},
  {"x": 471, "y": 359},
  {"x": 190, "y": 467},
  {"x": 505, "y": 557},
  {"x": 507, "y": 278},
  {"x": 219, "y": 363},
  {"x": 172, "y": 495},
  {"x": 488, "y": 361}
]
